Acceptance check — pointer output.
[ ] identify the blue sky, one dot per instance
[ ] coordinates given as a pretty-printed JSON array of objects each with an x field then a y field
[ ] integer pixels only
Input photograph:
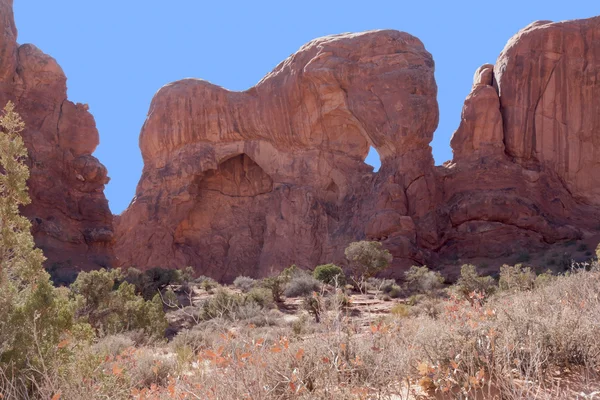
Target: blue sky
[{"x": 118, "y": 53}]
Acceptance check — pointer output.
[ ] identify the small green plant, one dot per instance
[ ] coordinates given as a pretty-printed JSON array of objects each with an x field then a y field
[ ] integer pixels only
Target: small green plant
[
  {"x": 330, "y": 274},
  {"x": 471, "y": 282},
  {"x": 517, "y": 277},
  {"x": 276, "y": 284},
  {"x": 423, "y": 280}
]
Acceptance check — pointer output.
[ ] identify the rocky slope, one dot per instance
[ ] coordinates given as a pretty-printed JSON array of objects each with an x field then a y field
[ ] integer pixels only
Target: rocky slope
[
  {"x": 249, "y": 182},
  {"x": 70, "y": 215}
]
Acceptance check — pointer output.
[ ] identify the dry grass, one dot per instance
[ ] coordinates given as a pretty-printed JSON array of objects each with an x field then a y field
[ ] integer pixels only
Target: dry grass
[{"x": 537, "y": 344}]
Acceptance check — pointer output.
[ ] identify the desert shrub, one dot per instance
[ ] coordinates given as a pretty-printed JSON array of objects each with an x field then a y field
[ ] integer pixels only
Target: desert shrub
[
  {"x": 261, "y": 296},
  {"x": 187, "y": 343},
  {"x": 330, "y": 274},
  {"x": 265, "y": 318},
  {"x": 394, "y": 292},
  {"x": 400, "y": 310},
  {"x": 423, "y": 280},
  {"x": 222, "y": 304},
  {"x": 302, "y": 284},
  {"x": 206, "y": 283},
  {"x": 152, "y": 281},
  {"x": 244, "y": 283},
  {"x": 113, "y": 345},
  {"x": 277, "y": 283},
  {"x": 314, "y": 305},
  {"x": 516, "y": 277},
  {"x": 150, "y": 368},
  {"x": 338, "y": 300},
  {"x": 367, "y": 259},
  {"x": 246, "y": 311},
  {"x": 112, "y": 308},
  {"x": 544, "y": 279},
  {"x": 470, "y": 281},
  {"x": 430, "y": 307}
]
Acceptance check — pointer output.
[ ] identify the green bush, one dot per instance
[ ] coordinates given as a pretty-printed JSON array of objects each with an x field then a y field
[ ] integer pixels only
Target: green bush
[
  {"x": 222, "y": 304},
  {"x": 302, "y": 284},
  {"x": 330, "y": 274},
  {"x": 150, "y": 282},
  {"x": 470, "y": 281},
  {"x": 277, "y": 283},
  {"x": 517, "y": 277},
  {"x": 367, "y": 259},
  {"x": 244, "y": 283},
  {"x": 261, "y": 296},
  {"x": 207, "y": 283},
  {"x": 112, "y": 307},
  {"x": 422, "y": 280}
]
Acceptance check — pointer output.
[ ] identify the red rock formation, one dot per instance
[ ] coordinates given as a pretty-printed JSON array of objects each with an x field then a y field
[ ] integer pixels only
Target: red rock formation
[
  {"x": 526, "y": 167},
  {"x": 249, "y": 182},
  {"x": 70, "y": 215}
]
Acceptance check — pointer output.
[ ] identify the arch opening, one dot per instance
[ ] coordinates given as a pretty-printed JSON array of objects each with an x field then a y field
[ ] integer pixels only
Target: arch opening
[{"x": 373, "y": 159}]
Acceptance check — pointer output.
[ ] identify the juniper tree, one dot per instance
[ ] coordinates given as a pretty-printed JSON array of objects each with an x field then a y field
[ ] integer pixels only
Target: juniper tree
[
  {"x": 366, "y": 260},
  {"x": 32, "y": 315}
]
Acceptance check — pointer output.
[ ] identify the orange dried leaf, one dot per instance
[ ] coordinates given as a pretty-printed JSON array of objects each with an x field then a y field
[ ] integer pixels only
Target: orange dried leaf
[
  {"x": 62, "y": 344},
  {"x": 276, "y": 349},
  {"x": 116, "y": 370},
  {"x": 210, "y": 354},
  {"x": 56, "y": 396},
  {"x": 299, "y": 354}
]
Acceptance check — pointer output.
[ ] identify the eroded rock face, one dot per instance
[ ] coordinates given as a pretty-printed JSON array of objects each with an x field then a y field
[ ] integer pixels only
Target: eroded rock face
[
  {"x": 526, "y": 171},
  {"x": 70, "y": 215},
  {"x": 251, "y": 182},
  {"x": 549, "y": 83}
]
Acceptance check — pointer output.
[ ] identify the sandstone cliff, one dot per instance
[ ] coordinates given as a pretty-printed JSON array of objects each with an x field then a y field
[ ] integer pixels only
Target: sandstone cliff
[
  {"x": 246, "y": 182},
  {"x": 249, "y": 182},
  {"x": 70, "y": 215}
]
